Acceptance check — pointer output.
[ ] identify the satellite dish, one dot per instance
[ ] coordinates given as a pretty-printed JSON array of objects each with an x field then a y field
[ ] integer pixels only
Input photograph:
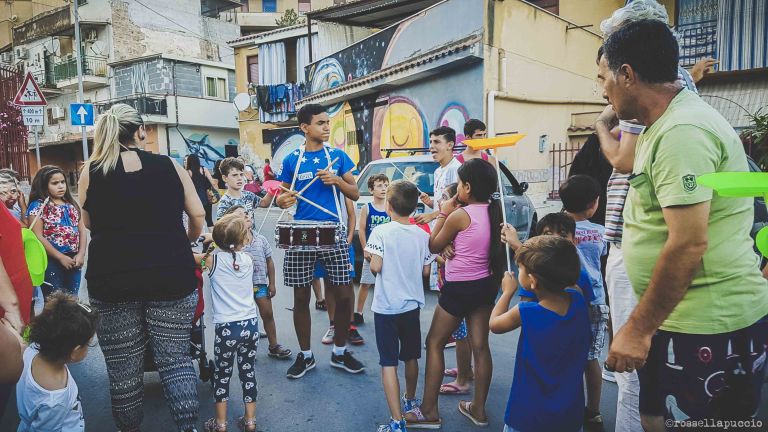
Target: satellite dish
[
  {"x": 242, "y": 101},
  {"x": 99, "y": 48}
]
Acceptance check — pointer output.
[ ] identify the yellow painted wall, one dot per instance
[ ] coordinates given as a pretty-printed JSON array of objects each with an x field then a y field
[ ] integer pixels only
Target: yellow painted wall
[
  {"x": 593, "y": 12},
  {"x": 250, "y": 127},
  {"x": 550, "y": 77}
]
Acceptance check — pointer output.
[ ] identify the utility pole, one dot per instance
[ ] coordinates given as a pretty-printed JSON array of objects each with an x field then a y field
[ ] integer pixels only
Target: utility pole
[{"x": 79, "y": 60}]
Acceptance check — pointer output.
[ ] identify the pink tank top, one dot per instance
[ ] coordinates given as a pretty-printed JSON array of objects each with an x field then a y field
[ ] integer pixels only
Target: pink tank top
[{"x": 472, "y": 247}]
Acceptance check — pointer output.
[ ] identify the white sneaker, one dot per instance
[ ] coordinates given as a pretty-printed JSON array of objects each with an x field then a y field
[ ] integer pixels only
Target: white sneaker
[
  {"x": 608, "y": 376},
  {"x": 328, "y": 338}
]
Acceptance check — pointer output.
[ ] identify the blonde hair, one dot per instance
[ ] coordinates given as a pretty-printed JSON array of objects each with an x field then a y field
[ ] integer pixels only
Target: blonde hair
[
  {"x": 229, "y": 233},
  {"x": 114, "y": 128}
]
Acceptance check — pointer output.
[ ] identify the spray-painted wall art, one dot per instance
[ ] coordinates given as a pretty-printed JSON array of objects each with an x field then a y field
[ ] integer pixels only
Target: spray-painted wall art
[
  {"x": 209, "y": 145},
  {"x": 282, "y": 141}
]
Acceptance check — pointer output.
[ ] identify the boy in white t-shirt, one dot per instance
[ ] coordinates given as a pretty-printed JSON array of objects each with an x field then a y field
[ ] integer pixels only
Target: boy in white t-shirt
[{"x": 400, "y": 258}]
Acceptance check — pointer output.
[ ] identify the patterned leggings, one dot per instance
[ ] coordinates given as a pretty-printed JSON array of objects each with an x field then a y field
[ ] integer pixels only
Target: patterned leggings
[
  {"x": 235, "y": 339},
  {"x": 126, "y": 329}
]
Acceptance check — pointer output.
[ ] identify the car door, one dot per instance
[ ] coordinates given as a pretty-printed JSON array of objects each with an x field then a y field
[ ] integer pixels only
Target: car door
[{"x": 518, "y": 208}]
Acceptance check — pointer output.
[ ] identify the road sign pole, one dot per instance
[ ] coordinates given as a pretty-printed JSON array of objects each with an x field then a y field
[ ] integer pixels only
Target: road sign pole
[
  {"x": 37, "y": 147},
  {"x": 79, "y": 54}
]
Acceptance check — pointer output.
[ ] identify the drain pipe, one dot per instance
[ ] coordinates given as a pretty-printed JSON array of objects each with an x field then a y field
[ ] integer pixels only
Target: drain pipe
[{"x": 493, "y": 94}]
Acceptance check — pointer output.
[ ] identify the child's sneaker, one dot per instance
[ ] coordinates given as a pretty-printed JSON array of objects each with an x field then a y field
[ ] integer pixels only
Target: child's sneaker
[
  {"x": 213, "y": 426},
  {"x": 279, "y": 352},
  {"x": 358, "y": 319},
  {"x": 328, "y": 338},
  {"x": 301, "y": 366},
  {"x": 393, "y": 426},
  {"x": 347, "y": 362},
  {"x": 354, "y": 337},
  {"x": 409, "y": 404}
]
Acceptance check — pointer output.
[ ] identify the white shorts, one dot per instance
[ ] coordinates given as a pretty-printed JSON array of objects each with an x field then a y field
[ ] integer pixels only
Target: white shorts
[{"x": 366, "y": 276}]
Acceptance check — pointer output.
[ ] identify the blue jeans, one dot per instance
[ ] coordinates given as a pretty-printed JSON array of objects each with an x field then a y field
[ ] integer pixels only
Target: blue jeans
[{"x": 58, "y": 278}]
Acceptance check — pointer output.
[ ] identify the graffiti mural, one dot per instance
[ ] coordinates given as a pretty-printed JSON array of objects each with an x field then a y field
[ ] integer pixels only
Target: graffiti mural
[
  {"x": 454, "y": 116},
  {"x": 282, "y": 141},
  {"x": 208, "y": 145}
]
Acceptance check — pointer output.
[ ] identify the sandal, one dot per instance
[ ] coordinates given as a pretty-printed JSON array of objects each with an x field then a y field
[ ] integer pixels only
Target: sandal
[
  {"x": 246, "y": 425},
  {"x": 465, "y": 408},
  {"x": 213, "y": 426},
  {"x": 279, "y": 352},
  {"x": 418, "y": 421},
  {"x": 321, "y": 305},
  {"x": 453, "y": 389},
  {"x": 454, "y": 372}
]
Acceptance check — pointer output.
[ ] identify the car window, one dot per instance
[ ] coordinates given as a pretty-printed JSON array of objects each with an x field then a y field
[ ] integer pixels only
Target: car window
[{"x": 421, "y": 173}]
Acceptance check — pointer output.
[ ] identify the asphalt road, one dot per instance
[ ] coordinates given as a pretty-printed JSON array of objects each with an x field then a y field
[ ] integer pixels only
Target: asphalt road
[{"x": 325, "y": 399}]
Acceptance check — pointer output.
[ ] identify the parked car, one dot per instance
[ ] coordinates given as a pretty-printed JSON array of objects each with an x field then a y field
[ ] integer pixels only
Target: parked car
[{"x": 420, "y": 169}]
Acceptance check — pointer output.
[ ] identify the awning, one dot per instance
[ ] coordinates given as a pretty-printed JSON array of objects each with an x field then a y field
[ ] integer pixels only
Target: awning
[
  {"x": 735, "y": 94},
  {"x": 371, "y": 13}
]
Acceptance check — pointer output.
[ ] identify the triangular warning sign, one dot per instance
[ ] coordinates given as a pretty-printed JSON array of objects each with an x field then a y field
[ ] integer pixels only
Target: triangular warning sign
[{"x": 29, "y": 94}]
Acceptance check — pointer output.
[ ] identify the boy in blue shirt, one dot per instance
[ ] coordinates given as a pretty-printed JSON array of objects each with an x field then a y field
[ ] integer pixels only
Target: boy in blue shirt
[
  {"x": 547, "y": 388},
  {"x": 580, "y": 195}
]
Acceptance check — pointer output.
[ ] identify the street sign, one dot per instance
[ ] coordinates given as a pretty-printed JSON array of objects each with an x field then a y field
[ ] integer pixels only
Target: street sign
[
  {"x": 81, "y": 114},
  {"x": 29, "y": 94},
  {"x": 32, "y": 115}
]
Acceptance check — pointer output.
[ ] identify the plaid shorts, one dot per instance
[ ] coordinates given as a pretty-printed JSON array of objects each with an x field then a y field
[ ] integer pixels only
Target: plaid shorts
[
  {"x": 299, "y": 265},
  {"x": 598, "y": 320}
]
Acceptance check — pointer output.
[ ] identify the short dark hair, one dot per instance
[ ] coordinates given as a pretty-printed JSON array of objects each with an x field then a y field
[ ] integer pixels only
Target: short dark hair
[
  {"x": 445, "y": 131},
  {"x": 402, "y": 196},
  {"x": 229, "y": 164},
  {"x": 377, "y": 177},
  {"x": 578, "y": 192},
  {"x": 559, "y": 223},
  {"x": 473, "y": 125},
  {"x": 552, "y": 259},
  {"x": 64, "y": 324},
  {"x": 305, "y": 114},
  {"x": 266, "y": 160},
  {"x": 600, "y": 52},
  {"x": 648, "y": 46}
]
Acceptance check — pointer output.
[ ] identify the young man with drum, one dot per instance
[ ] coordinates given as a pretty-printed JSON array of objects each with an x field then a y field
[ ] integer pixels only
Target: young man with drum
[{"x": 319, "y": 202}]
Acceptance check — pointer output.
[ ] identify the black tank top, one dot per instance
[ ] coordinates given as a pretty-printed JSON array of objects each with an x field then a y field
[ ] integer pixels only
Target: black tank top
[{"x": 139, "y": 250}]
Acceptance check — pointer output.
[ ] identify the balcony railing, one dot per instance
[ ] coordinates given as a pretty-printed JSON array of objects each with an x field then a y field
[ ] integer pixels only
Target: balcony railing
[
  {"x": 144, "y": 104},
  {"x": 45, "y": 79},
  {"x": 67, "y": 69}
]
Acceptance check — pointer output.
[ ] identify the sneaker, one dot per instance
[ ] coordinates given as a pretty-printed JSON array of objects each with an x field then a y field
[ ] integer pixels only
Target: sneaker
[
  {"x": 409, "y": 404},
  {"x": 279, "y": 352},
  {"x": 608, "y": 376},
  {"x": 262, "y": 335},
  {"x": 593, "y": 421},
  {"x": 354, "y": 337},
  {"x": 347, "y": 362},
  {"x": 328, "y": 338},
  {"x": 301, "y": 366},
  {"x": 393, "y": 426},
  {"x": 451, "y": 343},
  {"x": 358, "y": 319}
]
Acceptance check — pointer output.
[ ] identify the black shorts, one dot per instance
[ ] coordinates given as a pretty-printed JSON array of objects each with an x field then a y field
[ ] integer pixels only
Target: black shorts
[
  {"x": 462, "y": 298},
  {"x": 398, "y": 337},
  {"x": 690, "y": 376},
  {"x": 299, "y": 265}
]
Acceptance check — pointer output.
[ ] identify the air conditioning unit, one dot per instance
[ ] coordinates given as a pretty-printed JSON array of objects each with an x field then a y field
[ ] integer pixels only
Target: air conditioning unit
[
  {"x": 21, "y": 53},
  {"x": 6, "y": 57},
  {"x": 91, "y": 36},
  {"x": 57, "y": 112}
]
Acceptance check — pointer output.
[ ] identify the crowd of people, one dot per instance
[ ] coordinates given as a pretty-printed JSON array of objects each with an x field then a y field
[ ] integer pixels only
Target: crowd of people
[{"x": 675, "y": 262}]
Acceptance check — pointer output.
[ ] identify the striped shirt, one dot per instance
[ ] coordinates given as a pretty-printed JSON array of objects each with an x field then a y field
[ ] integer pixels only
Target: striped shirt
[{"x": 618, "y": 184}]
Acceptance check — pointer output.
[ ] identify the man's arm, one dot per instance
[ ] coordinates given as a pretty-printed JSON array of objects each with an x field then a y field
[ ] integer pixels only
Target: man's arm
[{"x": 675, "y": 268}]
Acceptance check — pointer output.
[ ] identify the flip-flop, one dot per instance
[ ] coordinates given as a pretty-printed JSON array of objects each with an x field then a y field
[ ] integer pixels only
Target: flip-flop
[
  {"x": 421, "y": 422},
  {"x": 467, "y": 412},
  {"x": 453, "y": 389},
  {"x": 451, "y": 372}
]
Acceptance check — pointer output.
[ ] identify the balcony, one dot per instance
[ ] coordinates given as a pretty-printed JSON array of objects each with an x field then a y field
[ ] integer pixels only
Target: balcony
[
  {"x": 257, "y": 21},
  {"x": 94, "y": 73},
  {"x": 212, "y": 8},
  {"x": 146, "y": 105},
  {"x": 47, "y": 82}
]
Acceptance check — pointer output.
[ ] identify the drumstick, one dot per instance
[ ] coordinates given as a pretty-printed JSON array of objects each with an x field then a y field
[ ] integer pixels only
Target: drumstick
[
  {"x": 405, "y": 176},
  {"x": 297, "y": 195},
  {"x": 316, "y": 177},
  {"x": 39, "y": 213}
]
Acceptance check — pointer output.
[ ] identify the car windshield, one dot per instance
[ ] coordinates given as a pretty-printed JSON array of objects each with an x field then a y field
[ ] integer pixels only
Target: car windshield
[{"x": 421, "y": 173}]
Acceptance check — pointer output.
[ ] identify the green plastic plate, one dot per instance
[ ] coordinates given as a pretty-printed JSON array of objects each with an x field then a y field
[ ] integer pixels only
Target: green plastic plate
[
  {"x": 736, "y": 184},
  {"x": 37, "y": 259}
]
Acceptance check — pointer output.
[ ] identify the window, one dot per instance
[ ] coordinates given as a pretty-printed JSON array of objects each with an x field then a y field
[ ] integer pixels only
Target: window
[
  {"x": 253, "y": 69},
  {"x": 216, "y": 87},
  {"x": 305, "y": 6},
  {"x": 269, "y": 5}
]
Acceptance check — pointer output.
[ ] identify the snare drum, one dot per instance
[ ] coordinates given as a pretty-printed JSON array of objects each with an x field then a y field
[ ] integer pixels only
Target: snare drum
[{"x": 306, "y": 235}]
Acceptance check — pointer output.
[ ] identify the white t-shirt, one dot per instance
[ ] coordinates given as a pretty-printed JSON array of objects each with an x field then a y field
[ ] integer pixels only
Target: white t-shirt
[
  {"x": 42, "y": 410},
  {"x": 404, "y": 250},
  {"x": 444, "y": 177},
  {"x": 232, "y": 290}
]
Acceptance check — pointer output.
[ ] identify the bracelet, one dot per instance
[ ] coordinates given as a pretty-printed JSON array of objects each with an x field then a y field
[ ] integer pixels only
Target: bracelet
[{"x": 441, "y": 214}]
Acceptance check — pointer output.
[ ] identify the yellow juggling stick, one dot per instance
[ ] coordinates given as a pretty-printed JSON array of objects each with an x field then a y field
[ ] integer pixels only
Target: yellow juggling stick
[{"x": 494, "y": 143}]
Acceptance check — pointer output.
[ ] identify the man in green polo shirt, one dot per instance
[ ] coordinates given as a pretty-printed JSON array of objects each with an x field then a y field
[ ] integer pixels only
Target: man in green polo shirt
[{"x": 700, "y": 327}]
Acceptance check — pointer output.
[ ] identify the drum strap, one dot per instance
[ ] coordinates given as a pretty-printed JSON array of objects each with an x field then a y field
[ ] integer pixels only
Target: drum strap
[{"x": 335, "y": 192}]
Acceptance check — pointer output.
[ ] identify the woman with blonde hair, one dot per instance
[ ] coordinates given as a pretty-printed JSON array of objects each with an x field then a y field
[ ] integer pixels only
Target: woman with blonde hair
[{"x": 141, "y": 272}]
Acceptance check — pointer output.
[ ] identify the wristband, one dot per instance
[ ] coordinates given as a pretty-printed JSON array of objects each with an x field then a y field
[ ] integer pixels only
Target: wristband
[
  {"x": 442, "y": 215},
  {"x": 630, "y": 127}
]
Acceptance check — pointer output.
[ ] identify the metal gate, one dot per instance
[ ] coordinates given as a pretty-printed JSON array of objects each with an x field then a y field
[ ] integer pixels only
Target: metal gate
[{"x": 13, "y": 133}]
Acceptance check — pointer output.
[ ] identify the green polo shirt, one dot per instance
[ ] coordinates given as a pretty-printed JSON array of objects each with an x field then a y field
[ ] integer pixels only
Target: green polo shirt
[{"x": 690, "y": 139}]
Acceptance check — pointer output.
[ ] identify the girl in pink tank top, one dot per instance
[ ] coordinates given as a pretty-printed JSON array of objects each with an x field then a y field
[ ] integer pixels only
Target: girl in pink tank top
[{"x": 472, "y": 222}]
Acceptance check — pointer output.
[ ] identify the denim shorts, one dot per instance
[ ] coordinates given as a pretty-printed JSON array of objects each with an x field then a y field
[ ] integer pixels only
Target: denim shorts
[{"x": 260, "y": 291}]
